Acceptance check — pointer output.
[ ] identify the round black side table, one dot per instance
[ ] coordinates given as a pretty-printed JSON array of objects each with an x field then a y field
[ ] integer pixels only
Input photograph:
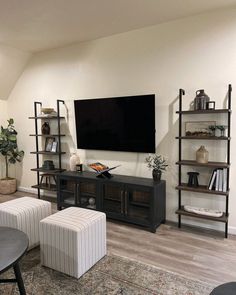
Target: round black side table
[
  {"x": 225, "y": 289},
  {"x": 13, "y": 245}
]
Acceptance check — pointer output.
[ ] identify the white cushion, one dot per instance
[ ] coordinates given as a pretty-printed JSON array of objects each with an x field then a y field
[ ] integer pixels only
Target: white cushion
[
  {"x": 24, "y": 214},
  {"x": 73, "y": 240}
]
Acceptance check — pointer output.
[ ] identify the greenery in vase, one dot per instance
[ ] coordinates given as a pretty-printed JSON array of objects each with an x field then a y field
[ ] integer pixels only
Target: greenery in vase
[
  {"x": 156, "y": 162},
  {"x": 8, "y": 146},
  {"x": 212, "y": 128}
]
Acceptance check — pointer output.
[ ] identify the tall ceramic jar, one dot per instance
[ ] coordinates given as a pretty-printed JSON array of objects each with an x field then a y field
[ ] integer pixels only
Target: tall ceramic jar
[
  {"x": 74, "y": 160},
  {"x": 202, "y": 155},
  {"x": 201, "y": 100}
]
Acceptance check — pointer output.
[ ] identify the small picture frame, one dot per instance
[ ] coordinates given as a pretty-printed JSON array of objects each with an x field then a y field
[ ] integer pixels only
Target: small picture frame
[
  {"x": 210, "y": 105},
  {"x": 48, "y": 143},
  {"x": 54, "y": 147},
  {"x": 201, "y": 128}
]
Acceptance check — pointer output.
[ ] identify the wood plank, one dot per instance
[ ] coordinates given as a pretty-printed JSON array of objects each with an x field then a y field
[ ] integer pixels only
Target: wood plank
[
  {"x": 48, "y": 153},
  {"x": 204, "y": 137},
  {"x": 181, "y": 211},
  {"x": 209, "y": 164},
  {"x": 200, "y": 189},
  {"x": 204, "y": 111},
  {"x": 46, "y": 118}
]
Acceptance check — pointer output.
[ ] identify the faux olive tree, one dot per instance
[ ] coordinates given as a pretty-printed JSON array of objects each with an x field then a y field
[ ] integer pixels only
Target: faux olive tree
[{"x": 8, "y": 146}]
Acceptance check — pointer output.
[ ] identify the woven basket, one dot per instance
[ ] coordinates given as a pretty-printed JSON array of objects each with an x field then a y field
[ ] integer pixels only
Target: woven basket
[{"x": 7, "y": 186}]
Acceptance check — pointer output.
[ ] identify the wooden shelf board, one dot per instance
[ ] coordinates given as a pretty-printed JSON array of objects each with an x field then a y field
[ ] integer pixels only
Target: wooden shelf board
[
  {"x": 45, "y": 186},
  {"x": 204, "y": 137},
  {"x": 209, "y": 164},
  {"x": 47, "y": 118},
  {"x": 181, "y": 211},
  {"x": 200, "y": 189},
  {"x": 204, "y": 111},
  {"x": 47, "y": 135},
  {"x": 54, "y": 171},
  {"x": 47, "y": 153}
]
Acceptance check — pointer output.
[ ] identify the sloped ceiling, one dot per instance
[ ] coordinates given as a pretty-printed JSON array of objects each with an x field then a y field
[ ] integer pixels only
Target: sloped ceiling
[
  {"x": 40, "y": 25},
  {"x": 28, "y": 26},
  {"x": 12, "y": 63}
]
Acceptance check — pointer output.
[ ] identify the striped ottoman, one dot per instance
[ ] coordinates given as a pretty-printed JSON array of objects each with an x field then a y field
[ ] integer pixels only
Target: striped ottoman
[
  {"x": 73, "y": 240},
  {"x": 24, "y": 214}
]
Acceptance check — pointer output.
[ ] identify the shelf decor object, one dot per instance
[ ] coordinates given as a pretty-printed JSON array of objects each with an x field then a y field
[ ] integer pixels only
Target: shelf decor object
[
  {"x": 202, "y": 155},
  {"x": 219, "y": 180},
  {"x": 52, "y": 146}
]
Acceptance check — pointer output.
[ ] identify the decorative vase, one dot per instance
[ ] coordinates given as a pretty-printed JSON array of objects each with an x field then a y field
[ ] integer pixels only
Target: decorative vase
[
  {"x": 45, "y": 128},
  {"x": 74, "y": 160},
  {"x": 156, "y": 174},
  {"x": 202, "y": 155},
  {"x": 201, "y": 100}
]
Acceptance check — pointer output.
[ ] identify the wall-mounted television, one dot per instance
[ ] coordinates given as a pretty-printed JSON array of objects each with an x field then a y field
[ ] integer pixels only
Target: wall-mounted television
[{"x": 116, "y": 124}]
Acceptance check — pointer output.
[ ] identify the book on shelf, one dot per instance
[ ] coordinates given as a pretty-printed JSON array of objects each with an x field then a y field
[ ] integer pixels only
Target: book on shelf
[
  {"x": 224, "y": 180},
  {"x": 218, "y": 180},
  {"x": 212, "y": 181},
  {"x": 220, "y": 188}
]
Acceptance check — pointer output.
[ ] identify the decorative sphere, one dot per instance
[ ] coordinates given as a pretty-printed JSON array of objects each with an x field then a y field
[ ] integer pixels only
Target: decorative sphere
[{"x": 91, "y": 201}]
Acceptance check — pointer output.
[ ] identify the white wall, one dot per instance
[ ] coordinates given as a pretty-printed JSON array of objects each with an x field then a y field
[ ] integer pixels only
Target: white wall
[
  {"x": 192, "y": 53},
  {"x": 3, "y": 122}
]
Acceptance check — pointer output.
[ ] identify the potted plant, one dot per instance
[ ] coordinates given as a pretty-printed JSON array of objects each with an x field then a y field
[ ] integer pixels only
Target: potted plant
[
  {"x": 11, "y": 154},
  {"x": 158, "y": 164}
]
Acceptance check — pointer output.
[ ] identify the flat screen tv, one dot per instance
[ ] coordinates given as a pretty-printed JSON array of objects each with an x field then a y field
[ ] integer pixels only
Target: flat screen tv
[{"x": 116, "y": 124}]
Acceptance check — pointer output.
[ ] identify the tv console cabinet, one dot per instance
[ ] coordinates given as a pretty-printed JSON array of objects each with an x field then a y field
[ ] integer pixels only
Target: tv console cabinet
[{"x": 135, "y": 200}]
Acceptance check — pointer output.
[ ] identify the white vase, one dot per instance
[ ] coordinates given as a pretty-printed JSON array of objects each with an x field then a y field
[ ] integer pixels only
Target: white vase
[{"x": 74, "y": 160}]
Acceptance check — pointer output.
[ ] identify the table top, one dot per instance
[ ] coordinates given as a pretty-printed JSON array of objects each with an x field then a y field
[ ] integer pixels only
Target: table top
[{"x": 13, "y": 245}]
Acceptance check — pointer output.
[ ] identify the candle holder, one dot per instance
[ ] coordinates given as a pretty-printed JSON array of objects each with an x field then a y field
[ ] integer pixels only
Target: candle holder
[
  {"x": 222, "y": 129},
  {"x": 193, "y": 179}
]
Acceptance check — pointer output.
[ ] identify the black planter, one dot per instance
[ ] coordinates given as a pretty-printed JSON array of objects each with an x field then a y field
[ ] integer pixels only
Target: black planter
[{"x": 156, "y": 174}]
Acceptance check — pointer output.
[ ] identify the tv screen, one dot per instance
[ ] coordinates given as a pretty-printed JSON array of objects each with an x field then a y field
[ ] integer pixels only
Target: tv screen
[{"x": 116, "y": 124}]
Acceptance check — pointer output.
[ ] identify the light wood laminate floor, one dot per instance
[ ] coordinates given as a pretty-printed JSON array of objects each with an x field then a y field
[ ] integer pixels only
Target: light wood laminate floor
[{"x": 193, "y": 253}]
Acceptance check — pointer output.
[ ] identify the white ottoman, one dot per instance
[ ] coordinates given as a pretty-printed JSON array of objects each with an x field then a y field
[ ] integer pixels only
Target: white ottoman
[
  {"x": 24, "y": 214},
  {"x": 73, "y": 240}
]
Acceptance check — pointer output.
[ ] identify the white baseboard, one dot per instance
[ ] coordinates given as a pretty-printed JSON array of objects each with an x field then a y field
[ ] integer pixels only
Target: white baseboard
[
  {"x": 232, "y": 230},
  {"x": 27, "y": 190},
  {"x": 34, "y": 191}
]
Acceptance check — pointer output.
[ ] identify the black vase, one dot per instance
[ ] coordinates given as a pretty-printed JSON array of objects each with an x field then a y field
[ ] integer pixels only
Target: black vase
[
  {"x": 45, "y": 128},
  {"x": 156, "y": 174}
]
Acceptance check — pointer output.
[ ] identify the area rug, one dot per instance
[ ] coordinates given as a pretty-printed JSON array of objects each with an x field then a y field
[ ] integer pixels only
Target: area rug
[{"x": 111, "y": 275}]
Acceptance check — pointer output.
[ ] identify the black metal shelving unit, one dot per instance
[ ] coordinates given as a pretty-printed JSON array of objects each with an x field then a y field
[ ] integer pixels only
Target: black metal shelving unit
[
  {"x": 40, "y": 170},
  {"x": 182, "y": 162}
]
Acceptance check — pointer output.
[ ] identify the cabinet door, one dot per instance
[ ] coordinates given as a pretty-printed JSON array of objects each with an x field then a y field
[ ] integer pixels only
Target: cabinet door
[
  {"x": 87, "y": 193},
  {"x": 113, "y": 199},
  {"x": 67, "y": 192},
  {"x": 138, "y": 202}
]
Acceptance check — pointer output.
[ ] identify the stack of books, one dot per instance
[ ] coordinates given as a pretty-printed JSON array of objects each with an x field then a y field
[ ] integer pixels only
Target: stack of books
[{"x": 218, "y": 180}]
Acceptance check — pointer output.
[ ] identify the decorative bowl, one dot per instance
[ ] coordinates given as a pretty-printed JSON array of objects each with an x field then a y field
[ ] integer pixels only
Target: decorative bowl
[{"x": 47, "y": 110}]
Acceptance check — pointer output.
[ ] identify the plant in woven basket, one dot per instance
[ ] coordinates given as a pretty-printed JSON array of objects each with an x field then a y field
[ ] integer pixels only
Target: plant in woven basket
[
  {"x": 8, "y": 146},
  {"x": 158, "y": 164}
]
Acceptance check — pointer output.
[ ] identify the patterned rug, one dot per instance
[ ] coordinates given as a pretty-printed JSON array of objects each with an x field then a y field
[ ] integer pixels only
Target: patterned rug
[{"x": 112, "y": 275}]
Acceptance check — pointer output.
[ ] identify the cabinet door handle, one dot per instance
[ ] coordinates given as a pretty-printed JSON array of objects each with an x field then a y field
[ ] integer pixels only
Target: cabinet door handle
[
  {"x": 126, "y": 202},
  {"x": 122, "y": 201},
  {"x": 77, "y": 194}
]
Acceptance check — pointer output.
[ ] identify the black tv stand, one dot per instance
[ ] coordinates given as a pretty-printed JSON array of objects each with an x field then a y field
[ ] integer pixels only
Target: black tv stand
[{"x": 136, "y": 200}]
